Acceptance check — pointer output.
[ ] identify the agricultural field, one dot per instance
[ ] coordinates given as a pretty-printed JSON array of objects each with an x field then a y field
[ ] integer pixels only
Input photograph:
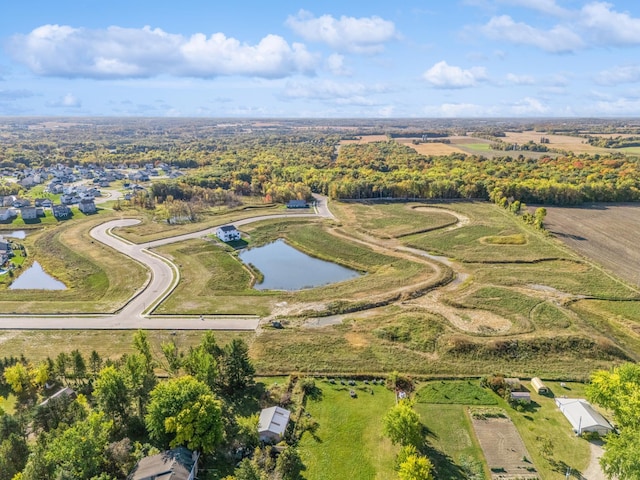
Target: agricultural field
[
  {"x": 607, "y": 234},
  {"x": 568, "y": 143},
  {"x": 430, "y": 148}
]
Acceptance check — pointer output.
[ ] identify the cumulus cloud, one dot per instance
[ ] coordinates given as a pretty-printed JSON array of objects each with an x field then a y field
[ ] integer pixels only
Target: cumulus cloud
[
  {"x": 560, "y": 39},
  {"x": 529, "y": 106},
  {"x": 457, "y": 110},
  {"x": 341, "y": 93},
  {"x": 116, "y": 52},
  {"x": 520, "y": 79},
  {"x": 443, "y": 75},
  {"x": 350, "y": 34},
  {"x": 618, "y": 75},
  {"x": 335, "y": 64},
  {"x": 67, "y": 101},
  {"x": 608, "y": 26}
]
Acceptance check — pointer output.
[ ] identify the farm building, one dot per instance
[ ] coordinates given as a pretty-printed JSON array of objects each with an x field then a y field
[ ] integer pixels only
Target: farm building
[
  {"x": 538, "y": 386},
  {"x": 177, "y": 464},
  {"x": 228, "y": 233},
  {"x": 272, "y": 424},
  {"x": 524, "y": 397},
  {"x": 582, "y": 416}
]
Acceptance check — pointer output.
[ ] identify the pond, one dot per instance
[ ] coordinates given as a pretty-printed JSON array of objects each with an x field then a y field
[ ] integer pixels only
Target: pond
[
  {"x": 19, "y": 234},
  {"x": 35, "y": 278},
  {"x": 285, "y": 268}
]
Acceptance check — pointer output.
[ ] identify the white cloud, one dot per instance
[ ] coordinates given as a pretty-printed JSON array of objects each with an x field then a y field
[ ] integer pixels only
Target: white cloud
[
  {"x": 346, "y": 93},
  {"x": 521, "y": 79},
  {"x": 529, "y": 106},
  {"x": 335, "y": 64},
  {"x": 545, "y": 6},
  {"x": 608, "y": 26},
  {"x": 350, "y": 34},
  {"x": 67, "y": 101},
  {"x": 618, "y": 75},
  {"x": 443, "y": 75},
  {"x": 560, "y": 39},
  {"x": 457, "y": 110},
  {"x": 116, "y": 52}
]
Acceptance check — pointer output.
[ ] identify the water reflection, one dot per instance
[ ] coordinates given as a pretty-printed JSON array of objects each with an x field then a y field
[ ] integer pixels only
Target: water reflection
[
  {"x": 35, "y": 278},
  {"x": 285, "y": 268}
]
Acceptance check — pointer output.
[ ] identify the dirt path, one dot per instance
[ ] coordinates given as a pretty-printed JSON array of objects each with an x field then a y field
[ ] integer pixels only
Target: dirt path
[{"x": 594, "y": 471}]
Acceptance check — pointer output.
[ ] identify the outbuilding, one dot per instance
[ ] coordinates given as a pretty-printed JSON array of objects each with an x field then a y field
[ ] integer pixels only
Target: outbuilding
[
  {"x": 538, "y": 386},
  {"x": 583, "y": 417},
  {"x": 272, "y": 424}
]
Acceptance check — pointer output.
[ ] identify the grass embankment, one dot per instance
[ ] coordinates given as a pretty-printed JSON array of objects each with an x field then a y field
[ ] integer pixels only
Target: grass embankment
[
  {"x": 98, "y": 279},
  {"x": 349, "y": 442}
]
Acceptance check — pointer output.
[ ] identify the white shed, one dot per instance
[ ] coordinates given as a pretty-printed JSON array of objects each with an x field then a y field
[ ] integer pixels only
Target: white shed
[
  {"x": 582, "y": 416},
  {"x": 273, "y": 423}
]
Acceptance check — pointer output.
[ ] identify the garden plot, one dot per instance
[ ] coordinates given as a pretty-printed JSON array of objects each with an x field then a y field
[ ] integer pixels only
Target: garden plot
[{"x": 503, "y": 449}]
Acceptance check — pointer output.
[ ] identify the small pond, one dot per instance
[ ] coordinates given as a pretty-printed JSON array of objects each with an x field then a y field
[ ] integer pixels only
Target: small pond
[
  {"x": 285, "y": 268},
  {"x": 19, "y": 234},
  {"x": 35, "y": 278}
]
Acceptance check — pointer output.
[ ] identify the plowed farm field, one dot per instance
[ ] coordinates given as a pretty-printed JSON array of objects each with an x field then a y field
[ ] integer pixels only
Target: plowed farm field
[{"x": 608, "y": 234}]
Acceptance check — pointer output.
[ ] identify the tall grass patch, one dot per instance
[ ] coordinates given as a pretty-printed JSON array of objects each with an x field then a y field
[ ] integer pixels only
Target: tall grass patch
[{"x": 461, "y": 392}]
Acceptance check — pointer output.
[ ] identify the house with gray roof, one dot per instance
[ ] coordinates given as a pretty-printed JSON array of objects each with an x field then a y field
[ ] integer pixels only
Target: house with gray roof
[
  {"x": 176, "y": 464},
  {"x": 272, "y": 424}
]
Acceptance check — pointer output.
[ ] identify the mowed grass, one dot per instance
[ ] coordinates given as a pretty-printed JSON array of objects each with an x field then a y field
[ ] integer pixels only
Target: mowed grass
[
  {"x": 452, "y": 442},
  {"x": 462, "y": 392},
  {"x": 37, "y": 345},
  {"x": 212, "y": 280},
  {"x": 98, "y": 279},
  {"x": 392, "y": 219},
  {"x": 350, "y": 443}
]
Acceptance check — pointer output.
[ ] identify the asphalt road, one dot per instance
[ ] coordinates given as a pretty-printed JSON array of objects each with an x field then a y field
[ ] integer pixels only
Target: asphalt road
[{"x": 163, "y": 278}]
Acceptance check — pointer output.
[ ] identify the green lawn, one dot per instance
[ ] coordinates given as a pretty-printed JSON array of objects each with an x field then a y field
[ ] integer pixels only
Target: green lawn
[
  {"x": 349, "y": 443},
  {"x": 452, "y": 442},
  {"x": 463, "y": 392}
]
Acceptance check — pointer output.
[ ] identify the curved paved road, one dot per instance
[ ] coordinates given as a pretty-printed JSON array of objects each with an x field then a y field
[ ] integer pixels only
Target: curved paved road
[{"x": 163, "y": 278}]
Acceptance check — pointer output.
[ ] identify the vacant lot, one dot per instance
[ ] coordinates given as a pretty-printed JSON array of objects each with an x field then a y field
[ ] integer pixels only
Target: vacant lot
[
  {"x": 605, "y": 233},
  {"x": 503, "y": 448}
]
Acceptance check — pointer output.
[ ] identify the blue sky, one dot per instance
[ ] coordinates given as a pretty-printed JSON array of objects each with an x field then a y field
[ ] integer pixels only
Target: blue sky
[{"x": 456, "y": 58}]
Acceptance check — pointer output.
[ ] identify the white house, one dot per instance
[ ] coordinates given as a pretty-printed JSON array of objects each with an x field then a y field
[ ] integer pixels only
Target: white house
[
  {"x": 228, "y": 233},
  {"x": 582, "y": 416},
  {"x": 177, "y": 464},
  {"x": 272, "y": 424},
  {"x": 29, "y": 213}
]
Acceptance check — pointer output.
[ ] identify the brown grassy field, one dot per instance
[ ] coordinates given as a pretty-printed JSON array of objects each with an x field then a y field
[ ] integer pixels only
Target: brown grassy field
[
  {"x": 605, "y": 233},
  {"x": 430, "y": 148},
  {"x": 562, "y": 142}
]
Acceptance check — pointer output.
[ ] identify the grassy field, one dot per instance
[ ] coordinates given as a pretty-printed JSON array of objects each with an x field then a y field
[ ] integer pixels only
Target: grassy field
[
  {"x": 37, "y": 345},
  {"x": 349, "y": 441},
  {"x": 393, "y": 219},
  {"x": 97, "y": 278},
  {"x": 462, "y": 392}
]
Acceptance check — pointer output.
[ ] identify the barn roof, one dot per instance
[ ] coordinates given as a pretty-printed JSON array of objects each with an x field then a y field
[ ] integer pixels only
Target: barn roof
[
  {"x": 274, "y": 420},
  {"x": 581, "y": 414}
]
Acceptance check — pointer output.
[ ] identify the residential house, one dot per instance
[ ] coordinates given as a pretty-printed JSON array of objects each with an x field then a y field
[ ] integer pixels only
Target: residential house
[
  {"x": 43, "y": 202},
  {"x": 87, "y": 206},
  {"x": 29, "y": 213},
  {"x": 6, "y": 214},
  {"x": 297, "y": 204},
  {"x": 63, "y": 392},
  {"x": 272, "y": 424},
  {"x": 176, "y": 464},
  {"x": 228, "y": 233},
  {"x": 61, "y": 211},
  {"x": 583, "y": 417}
]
